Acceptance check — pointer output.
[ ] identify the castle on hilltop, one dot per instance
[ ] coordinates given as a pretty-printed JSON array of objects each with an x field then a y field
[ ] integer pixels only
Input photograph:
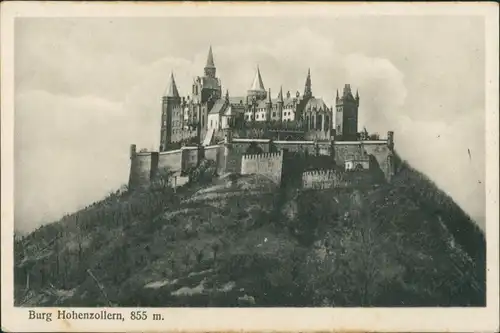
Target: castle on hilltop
[{"x": 260, "y": 134}]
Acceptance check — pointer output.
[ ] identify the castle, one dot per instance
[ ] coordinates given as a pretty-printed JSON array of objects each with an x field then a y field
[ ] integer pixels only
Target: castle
[{"x": 284, "y": 137}]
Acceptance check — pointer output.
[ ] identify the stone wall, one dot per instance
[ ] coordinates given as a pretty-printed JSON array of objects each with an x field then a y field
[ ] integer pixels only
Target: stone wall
[
  {"x": 267, "y": 164},
  {"x": 317, "y": 135},
  {"x": 378, "y": 153},
  {"x": 140, "y": 169},
  {"x": 324, "y": 179},
  {"x": 190, "y": 157},
  {"x": 298, "y": 156},
  {"x": 171, "y": 160}
]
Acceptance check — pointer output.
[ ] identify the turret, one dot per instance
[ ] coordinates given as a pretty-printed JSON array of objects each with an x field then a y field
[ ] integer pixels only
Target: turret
[
  {"x": 308, "y": 86},
  {"x": 390, "y": 140},
  {"x": 280, "y": 104},
  {"x": 209, "y": 85},
  {"x": 170, "y": 101},
  {"x": 257, "y": 89},
  {"x": 133, "y": 151},
  {"x": 210, "y": 66},
  {"x": 269, "y": 105},
  {"x": 346, "y": 115}
]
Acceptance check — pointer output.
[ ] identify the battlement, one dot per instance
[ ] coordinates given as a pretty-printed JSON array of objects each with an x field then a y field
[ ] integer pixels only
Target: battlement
[
  {"x": 267, "y": 164},
  {"x": 321, "y": 179},
  {"x": 320, "y": 173},
  {"x": 262, "y": 156}
]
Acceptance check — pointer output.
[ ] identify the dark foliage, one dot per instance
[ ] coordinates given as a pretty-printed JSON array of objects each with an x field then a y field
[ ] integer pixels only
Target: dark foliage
[{"x": 242, "y": 242}]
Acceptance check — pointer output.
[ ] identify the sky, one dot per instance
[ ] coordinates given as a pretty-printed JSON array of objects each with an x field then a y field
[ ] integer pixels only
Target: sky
[{"x": 87, "y": 88}]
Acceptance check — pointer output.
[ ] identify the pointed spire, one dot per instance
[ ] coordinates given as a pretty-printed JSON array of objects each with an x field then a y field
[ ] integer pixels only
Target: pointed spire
[
  {"x": 257, "y": 84},
  {"x": 280, "y": 95},
  {"x": 172, "y": 88},
  {"x": 269, "y": 101},
  {"x": 337, "y": 94},
  {"x": 357, "y": 94},
  {"x": 227, "y": 95},
  {"x": 308, "y": 88},
  {"x": 210, "y": 59}
]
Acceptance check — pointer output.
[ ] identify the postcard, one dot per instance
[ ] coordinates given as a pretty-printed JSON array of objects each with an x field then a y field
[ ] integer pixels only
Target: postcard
[{"x": 246, "y": 166}]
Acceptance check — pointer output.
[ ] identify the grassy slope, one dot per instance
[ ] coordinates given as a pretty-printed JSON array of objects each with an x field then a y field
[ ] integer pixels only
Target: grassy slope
[{"x": 250, "y": 244}]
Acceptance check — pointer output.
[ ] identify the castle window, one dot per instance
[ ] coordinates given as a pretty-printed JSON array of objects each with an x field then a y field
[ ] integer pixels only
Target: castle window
[{"x": 274, "y": 114}]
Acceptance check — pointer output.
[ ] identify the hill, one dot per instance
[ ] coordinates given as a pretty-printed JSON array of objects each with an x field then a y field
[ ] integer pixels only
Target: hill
[{"x": 240, "y": 241}]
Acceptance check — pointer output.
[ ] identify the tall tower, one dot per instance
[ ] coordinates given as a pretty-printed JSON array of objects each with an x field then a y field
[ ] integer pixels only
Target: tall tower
[
  {"x": 210, "y": 66},
  {"x": 279, "y": 105},
  {"x": 269, "y": 106},
  {"x": 207, "y": 87},
  {"x": 257, "y": 90},
  {"x": 308, "y": 86},
  {"x": 346, "y": 116},
  {"x": 302, "y": 101},
  {"x": 171, "y": 115}
]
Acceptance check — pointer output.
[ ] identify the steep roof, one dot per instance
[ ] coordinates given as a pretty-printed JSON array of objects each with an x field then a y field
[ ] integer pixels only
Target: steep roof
[
  {"x": 280, "y": 95},
  {"x": 257, "y": 84},
  {"x": 218, "y": 106},
  {"x": 172, "y": 88},
  {"x": 286, "y": 102},
  {"x": 210, "y": 59},
  {"x": 315, "y": 103},
  {"x": 234, "y": 105}
]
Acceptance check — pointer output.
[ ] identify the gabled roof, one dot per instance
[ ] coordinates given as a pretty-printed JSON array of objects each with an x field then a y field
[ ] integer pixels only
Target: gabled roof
[
  {"x": 257, "y": 84},
  {"x": 172, "y": 88},
  {"x": 218, "y": 106}
]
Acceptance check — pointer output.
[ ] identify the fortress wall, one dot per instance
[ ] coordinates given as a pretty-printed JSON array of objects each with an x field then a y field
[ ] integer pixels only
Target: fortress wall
[
  {"x": 317, "y": 135},
  {"x": 232, "y": 159},
  {"x": 211, "y": 152},
  {"x": 171, "y": 160},
  {"x": 140, "y": 170},
  {"x": 300, "y": 147},
  {"x": 239, "y": 148},
  {"x": 189, "y": 157},
  {"x": 221, "y": 160},
  {"x": 378, "y": 151},
  {"x": 381, "y": 154},
  {"x": 346, "y": 151},
  {"x": 323, "y": 179},
  {"x": 268, "y": 164}
]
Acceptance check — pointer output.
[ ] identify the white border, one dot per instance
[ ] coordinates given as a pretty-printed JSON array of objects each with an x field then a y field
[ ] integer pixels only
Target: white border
[{"x": 277, "y": 319}]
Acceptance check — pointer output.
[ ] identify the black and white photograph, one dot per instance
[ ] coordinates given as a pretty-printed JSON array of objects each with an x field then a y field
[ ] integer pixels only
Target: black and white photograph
[{"x": 249, "y": 161}]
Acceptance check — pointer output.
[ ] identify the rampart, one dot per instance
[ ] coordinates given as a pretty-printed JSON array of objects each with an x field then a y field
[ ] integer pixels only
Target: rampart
[
  {"x": 323, "y": 179},
  {"x": 267, "y": 164},
  {"x": 327, "y": 179},
  {"x": 276, "y": 159},
  {"x": 140, "y": 168},
  {"x": 317, "y": 135}
]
